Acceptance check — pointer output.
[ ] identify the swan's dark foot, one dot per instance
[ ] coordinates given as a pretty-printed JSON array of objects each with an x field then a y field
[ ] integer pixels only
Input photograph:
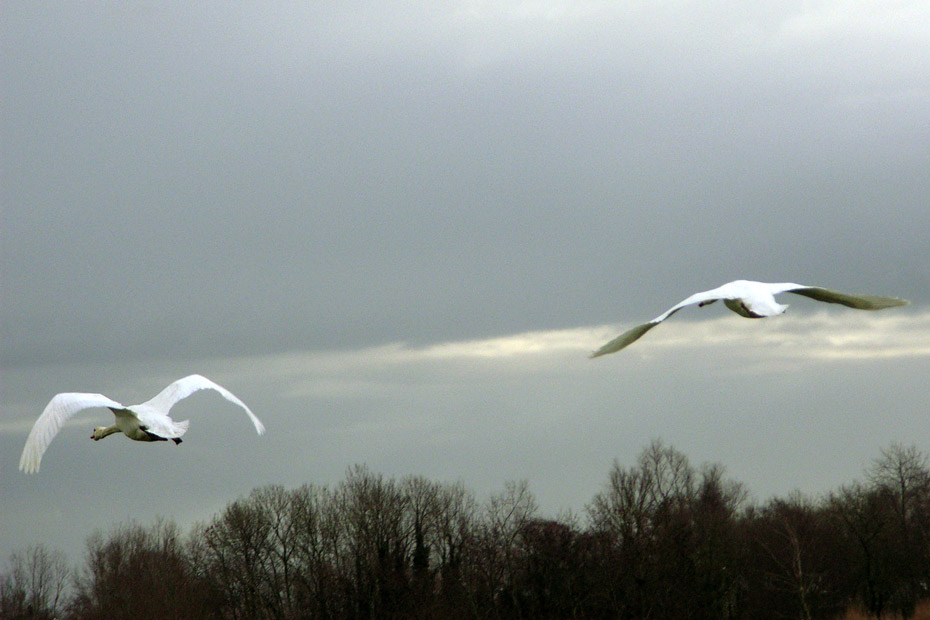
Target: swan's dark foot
[{"x": 176, "y": 440}]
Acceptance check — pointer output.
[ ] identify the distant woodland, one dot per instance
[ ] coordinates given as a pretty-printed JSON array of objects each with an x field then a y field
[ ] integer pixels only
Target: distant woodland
[{"x": 662, "y": 540}]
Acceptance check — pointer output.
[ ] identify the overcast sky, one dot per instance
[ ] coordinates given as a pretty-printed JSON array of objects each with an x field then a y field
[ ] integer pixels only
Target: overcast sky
[{"x": 395, "y": 229}]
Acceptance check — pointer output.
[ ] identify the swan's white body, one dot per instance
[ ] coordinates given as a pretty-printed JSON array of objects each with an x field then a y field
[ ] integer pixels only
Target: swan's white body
[
  {"x": 754, "y": 300},
  {"x": 148, "y": 421}
]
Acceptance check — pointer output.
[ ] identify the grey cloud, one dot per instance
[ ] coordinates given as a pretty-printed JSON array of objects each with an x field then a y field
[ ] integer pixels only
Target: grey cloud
[{"x": 799, "y": 402}]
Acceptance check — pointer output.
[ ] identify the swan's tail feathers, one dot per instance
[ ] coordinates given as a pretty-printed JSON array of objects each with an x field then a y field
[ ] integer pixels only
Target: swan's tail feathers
[{"x": 179, "y": 429}]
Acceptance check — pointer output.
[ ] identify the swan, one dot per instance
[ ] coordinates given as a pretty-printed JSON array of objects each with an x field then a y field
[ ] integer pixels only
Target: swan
[
  {"x": 753, "y": 300},
  {"x": 147, "y": 421}
]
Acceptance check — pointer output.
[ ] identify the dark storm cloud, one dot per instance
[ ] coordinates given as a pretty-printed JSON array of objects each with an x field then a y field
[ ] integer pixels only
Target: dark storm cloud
[{"x": 190, "y": 180}]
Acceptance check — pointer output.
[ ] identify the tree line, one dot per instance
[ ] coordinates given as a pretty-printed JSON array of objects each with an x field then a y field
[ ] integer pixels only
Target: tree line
[{"x": 662, "y": 539}]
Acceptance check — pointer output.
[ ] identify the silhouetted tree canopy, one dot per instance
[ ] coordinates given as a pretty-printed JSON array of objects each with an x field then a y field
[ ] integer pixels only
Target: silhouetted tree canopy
[{"x": 662, "y": 539}]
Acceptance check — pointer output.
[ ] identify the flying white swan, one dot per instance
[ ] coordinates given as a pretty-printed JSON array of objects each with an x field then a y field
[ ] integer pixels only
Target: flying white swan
[
  {"x": 753, "y": 300},
  {"x": 148, "y": 421}
]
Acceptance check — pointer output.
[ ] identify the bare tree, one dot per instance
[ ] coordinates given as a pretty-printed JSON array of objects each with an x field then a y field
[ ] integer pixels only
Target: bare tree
[
  {"x": 137, "y": 572},
  {"x": 494, "y": 549},
  {"x": 673, "y": 537},
  {"x": 374, "y": 518},
  {"x": 422, "y": 514},
  {"x": 864, "y": 515},
  {"x": 236, "y": 550},
  {"x": 269, "y": 554},
  {"x": 456, "y": 526},
  {"x": 905, "y": 472},
  {"x": 625, "y": 507},
  {"x": 784, "y": 529},
  {"x": 623, "y": 515},
  {"x": 36, "y": 584},
  {"x": 671, "y": 474},
  {"x": 321, "y": 545},
  {"x": 902, "y": 477},
  {"x": 714, "y": 547},
  {"x": 639, "y": 511},
  {"x": 560, "y": 572}
]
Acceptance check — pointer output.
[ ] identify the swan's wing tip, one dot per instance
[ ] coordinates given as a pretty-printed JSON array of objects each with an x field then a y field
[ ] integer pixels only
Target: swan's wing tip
[
  {"x": 259, "y": 427},
  {"x": 625, "y": 339},
  {"x": 29, "y": 462}
]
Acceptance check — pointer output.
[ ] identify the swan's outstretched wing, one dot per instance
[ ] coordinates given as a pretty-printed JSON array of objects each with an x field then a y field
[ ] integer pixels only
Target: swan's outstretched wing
[
  {"x": 182, "y": 388},
  {"x": 632, "y": 335},
  {"x": 860, "y": 302},
  {"x": 57, "y": 412}
]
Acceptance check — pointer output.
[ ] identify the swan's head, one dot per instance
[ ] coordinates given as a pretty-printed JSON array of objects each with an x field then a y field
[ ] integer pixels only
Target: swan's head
[{"x": 99, "y": 433}]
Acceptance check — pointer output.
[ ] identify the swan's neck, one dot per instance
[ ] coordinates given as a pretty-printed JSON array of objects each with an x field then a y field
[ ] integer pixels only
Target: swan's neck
[{"x": 102, "y": 431}]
